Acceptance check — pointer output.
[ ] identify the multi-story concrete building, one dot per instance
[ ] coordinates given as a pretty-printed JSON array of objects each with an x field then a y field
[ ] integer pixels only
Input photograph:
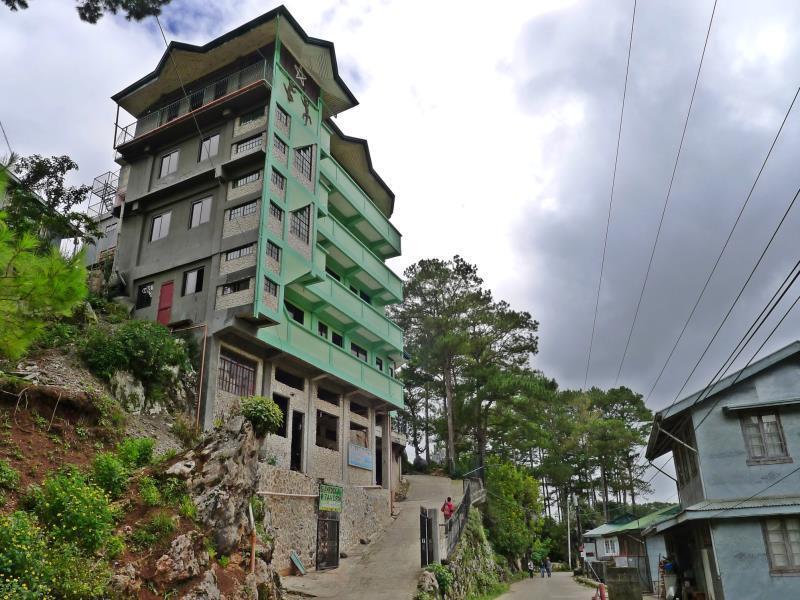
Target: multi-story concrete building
[
  {"x": 245, "y": 212},
  {"x": 737, "y": 533}
]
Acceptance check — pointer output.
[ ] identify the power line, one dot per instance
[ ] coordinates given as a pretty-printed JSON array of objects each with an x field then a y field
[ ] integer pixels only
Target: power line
[
  {"x": 725, "y": 245},
  {"x": 738, "y": 296},
  {"x": 5, "y": 136},
  {"x": 669, "y": 193},
  {"x": 611, "y": 196}
]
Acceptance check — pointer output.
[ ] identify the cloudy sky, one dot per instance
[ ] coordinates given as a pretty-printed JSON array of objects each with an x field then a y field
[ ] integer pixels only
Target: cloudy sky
[{"x": 495, "y": 124}]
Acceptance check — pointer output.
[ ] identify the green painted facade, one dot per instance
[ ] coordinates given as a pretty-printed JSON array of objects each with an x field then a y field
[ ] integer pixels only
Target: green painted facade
[{"x": 352, "y": 307}]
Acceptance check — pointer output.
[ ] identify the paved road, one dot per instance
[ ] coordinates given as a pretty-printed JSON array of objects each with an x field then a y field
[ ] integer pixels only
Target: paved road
[
  {"x": 388, "y": 568},
  {"x": 559, "y": 587}
]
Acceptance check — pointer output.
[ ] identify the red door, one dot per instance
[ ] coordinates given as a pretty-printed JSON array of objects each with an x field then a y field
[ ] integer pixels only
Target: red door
[{"x": 165, "y": 303}]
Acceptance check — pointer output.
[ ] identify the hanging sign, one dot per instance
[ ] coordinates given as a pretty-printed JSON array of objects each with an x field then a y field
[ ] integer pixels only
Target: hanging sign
[
  {"x": 330, "y": 497},
  {"x": 360, "y": 457}
]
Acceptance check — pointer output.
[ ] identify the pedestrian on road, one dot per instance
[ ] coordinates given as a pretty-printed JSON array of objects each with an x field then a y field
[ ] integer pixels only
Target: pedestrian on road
[
  {"x": 448, "y": 508},
  {"x": 543, "y": 569},
  {"x": 530, "y": 567},
  {"x": 548, "y": 566}
]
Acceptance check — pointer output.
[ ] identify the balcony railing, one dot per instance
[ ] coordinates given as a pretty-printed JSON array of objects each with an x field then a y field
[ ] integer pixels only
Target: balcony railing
[{"x": 193, "y": 101}]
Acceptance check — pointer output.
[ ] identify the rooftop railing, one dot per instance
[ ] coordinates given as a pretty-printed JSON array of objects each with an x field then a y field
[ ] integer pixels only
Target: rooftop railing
[{"x": 193, "y": 101}]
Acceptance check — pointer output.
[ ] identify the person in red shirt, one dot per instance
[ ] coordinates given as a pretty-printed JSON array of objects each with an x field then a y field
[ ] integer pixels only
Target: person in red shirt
[{"x": 448, "y": 508}]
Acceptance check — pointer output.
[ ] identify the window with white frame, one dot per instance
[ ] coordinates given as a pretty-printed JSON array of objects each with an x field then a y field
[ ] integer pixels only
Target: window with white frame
[
  {"x": 201, "y": 212},
  {"x": 782, "y": 537},
  {"x": 610, "y": 546},
  {"x": 209, "y": 147},
  {"x": 169, "y": 163},
  {"x": 764, "y": 438},
  {"x": 193, "y": 281},
  {"x": 160, "y": 226}
]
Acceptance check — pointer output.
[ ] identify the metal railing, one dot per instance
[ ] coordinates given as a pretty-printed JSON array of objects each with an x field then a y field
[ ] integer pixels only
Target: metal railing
[
  {"x": 192, "y": 101},
  {"x": 454, "y": 526},
  {"x": 103, "y": 194}
]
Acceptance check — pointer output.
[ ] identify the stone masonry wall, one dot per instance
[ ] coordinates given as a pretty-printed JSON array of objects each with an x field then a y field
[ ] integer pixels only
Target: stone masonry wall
[{"x": 293, "y": 519}]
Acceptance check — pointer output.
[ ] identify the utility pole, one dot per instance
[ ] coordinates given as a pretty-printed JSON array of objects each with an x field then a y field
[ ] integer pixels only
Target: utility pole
[{"x": 569, "y": 534}]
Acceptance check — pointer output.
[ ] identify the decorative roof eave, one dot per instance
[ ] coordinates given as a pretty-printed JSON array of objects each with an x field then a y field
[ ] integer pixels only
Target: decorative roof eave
[
  {"x": 353, "y": 154},
  {"x": 317, "y": 56},
  {"x": 668, "y": 416}
]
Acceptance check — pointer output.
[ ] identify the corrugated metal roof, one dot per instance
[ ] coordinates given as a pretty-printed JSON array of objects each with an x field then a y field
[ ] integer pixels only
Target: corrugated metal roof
[
  {"x": 711, "y": 505},
  {"x": 640, "y": 523}
]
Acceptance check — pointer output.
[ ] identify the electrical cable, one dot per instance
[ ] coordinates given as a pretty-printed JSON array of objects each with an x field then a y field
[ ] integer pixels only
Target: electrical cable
[
  {"x": 611, "y": 196},
  {"x": 669, "y": 193}
]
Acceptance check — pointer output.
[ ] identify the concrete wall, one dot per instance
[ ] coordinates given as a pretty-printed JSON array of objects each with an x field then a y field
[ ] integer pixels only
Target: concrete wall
[
  {"x": 294, "y": 518},
  {"x": 656, "y": 546},
  {"x": 721, "y": 446},
  {"x": 743, "y": 564}
]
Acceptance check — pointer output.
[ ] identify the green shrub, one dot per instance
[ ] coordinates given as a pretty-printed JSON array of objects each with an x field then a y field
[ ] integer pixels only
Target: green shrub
[
  {"x": 73, "y": 509},
  {"x": 109, "y": 473},
  {"x": 110, "y": 414},
  {"x": 114, "y": 547},
  {"x": 22, "y": 545},
  {"x": 143, "y": 348},
  {"x": 185, "y": 431},
  {"x": 148, "y": 491},
  {"x": 172, "y": 489},
  {"x": 74, "y": 576},
  {"x": 224, "y": 561},
  {"x": 264, "y": 414},
  {"x": 444, "y": 576},
  {"x": 136, "y": 452},
  {"x": 9, "y": 478},
  {"x": 57, "y": 334},
  {"x": 187, "y": 508},
  {"x": 153, "y": 531}
]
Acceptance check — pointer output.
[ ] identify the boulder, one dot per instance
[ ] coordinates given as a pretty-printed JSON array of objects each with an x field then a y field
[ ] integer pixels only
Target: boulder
[
  {"x": 129, "y": 392},
  {"x": 207, "y": 590},
  {"x": 126, "y": 582},
  {"x": 186, "y": 559},
  {"x": 428, "y": 583}
]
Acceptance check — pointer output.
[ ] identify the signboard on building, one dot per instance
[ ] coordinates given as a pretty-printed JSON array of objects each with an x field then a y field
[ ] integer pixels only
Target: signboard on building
[
  {"x": 330, "y": 497},
  {"x": 360, "y": 457}
]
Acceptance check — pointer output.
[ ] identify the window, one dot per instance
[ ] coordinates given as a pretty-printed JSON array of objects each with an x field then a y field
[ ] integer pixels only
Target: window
[
  {"x": 333, "y": 274},
  {"x": 301, "y": 223},
  {"x": 235, "y": 286},
  {"x": 283, "y": 404},
  {"x": 220, "y": 89},
  {"x": 278, "y": 179},
  {"x": 302, "y": 160},
  {"x": 354, "y": 289},
  {"x": 328, "y": 396},
  {"x": 243, "y": 210},
  {"x": 322, "y": 330},
  {"x": 358, "y": 351},
  {"x": 270, "y": 287},
  {"x": 169, "y": 163},
  {"x": 249, "y": 144},
  {"x": 209, "y": 147},
  {"x": 763, "y": 436},
  {"x": 296, "y": 312},
  {"x": 237, "y": 374},
  {"x": 160, "y": 226},
  {"x": 359, "y": 435},
  {"x": 275, "y": 211},
  {"x": 337, "y": 339},
  {"x": 379, "y": 363},
  {"x": 293, "y": 381},
  {"x": 196, "y": 99},
  {"x": 392, "y": 368},
  {"x": 610, "y": 545},
  {"x": 201, "y": 212},
  {"x": 240, "y": 252},
  {"x": 273, "y": 251},
  {"x": 110, "y": 229},
  {"x": 144, "y": 295},
  {"x": 359, "y": 409},
  {"x": 193, "y": 281},
  {"x": 327, "y": 431},
  {"x": 253, "y": 115},
  {"x": 782, "y": 537},
  {"x": 280, "y": 146},
  {"x": 282, "y": 117},
  {"x": 245, "y": 179}
]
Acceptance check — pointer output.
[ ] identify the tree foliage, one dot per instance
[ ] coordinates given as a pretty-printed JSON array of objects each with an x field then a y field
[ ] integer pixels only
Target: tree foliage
[
  {"x": 35, "y": 286},
  {"x": 92, "y": 10},
  {"x": 513, "y": 508}
]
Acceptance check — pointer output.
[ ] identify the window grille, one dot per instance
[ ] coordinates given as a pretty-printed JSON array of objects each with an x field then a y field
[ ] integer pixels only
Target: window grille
[
  {"x": 240, "y": 252},
  {"x": 249, "y": 144},
  {"x": 273, "y": 251},
  {"x": 301, "y": 223},
  {"x": 235, "y": 286},
  {"x": 270, "y": 287},
  {"x": 242, "y": 211},
  {"x": 247, "y": 179},
  {"x": 251, "y": 116},
  {"x": 282, "y": 117},
  {"x": 303, "y": 161},
  {"x": 278, "y": 179},
  {"x": 237, "y": 375}
]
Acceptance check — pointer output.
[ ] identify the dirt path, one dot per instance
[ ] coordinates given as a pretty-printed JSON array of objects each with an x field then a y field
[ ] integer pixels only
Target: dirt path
[
  {"x": 560, "y": 586},
  {"x": 388, "y": 568}
]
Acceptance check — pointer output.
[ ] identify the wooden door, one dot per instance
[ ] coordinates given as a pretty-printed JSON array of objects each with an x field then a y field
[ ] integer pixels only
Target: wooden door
[{"x": 165, "y": 302}]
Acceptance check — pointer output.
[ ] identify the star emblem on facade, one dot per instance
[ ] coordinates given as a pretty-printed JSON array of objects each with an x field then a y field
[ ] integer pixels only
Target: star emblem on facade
[{"x": 300, "y": 75}]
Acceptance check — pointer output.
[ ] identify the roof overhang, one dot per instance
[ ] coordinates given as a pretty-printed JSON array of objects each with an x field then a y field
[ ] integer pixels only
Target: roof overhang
[
  {"x": 183, "y": 62},
  {"x": 730, "y": 509},
  {"x": 353, "y": 154}
]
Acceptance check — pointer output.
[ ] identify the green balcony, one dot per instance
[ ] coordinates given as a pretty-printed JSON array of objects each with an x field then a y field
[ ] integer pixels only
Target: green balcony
[
  {"x": 296, "y": 340},
  {"x": 351, "y": 201},
  {"x": 335, "y": 303},
  {"x": 350, "y": 252}
]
